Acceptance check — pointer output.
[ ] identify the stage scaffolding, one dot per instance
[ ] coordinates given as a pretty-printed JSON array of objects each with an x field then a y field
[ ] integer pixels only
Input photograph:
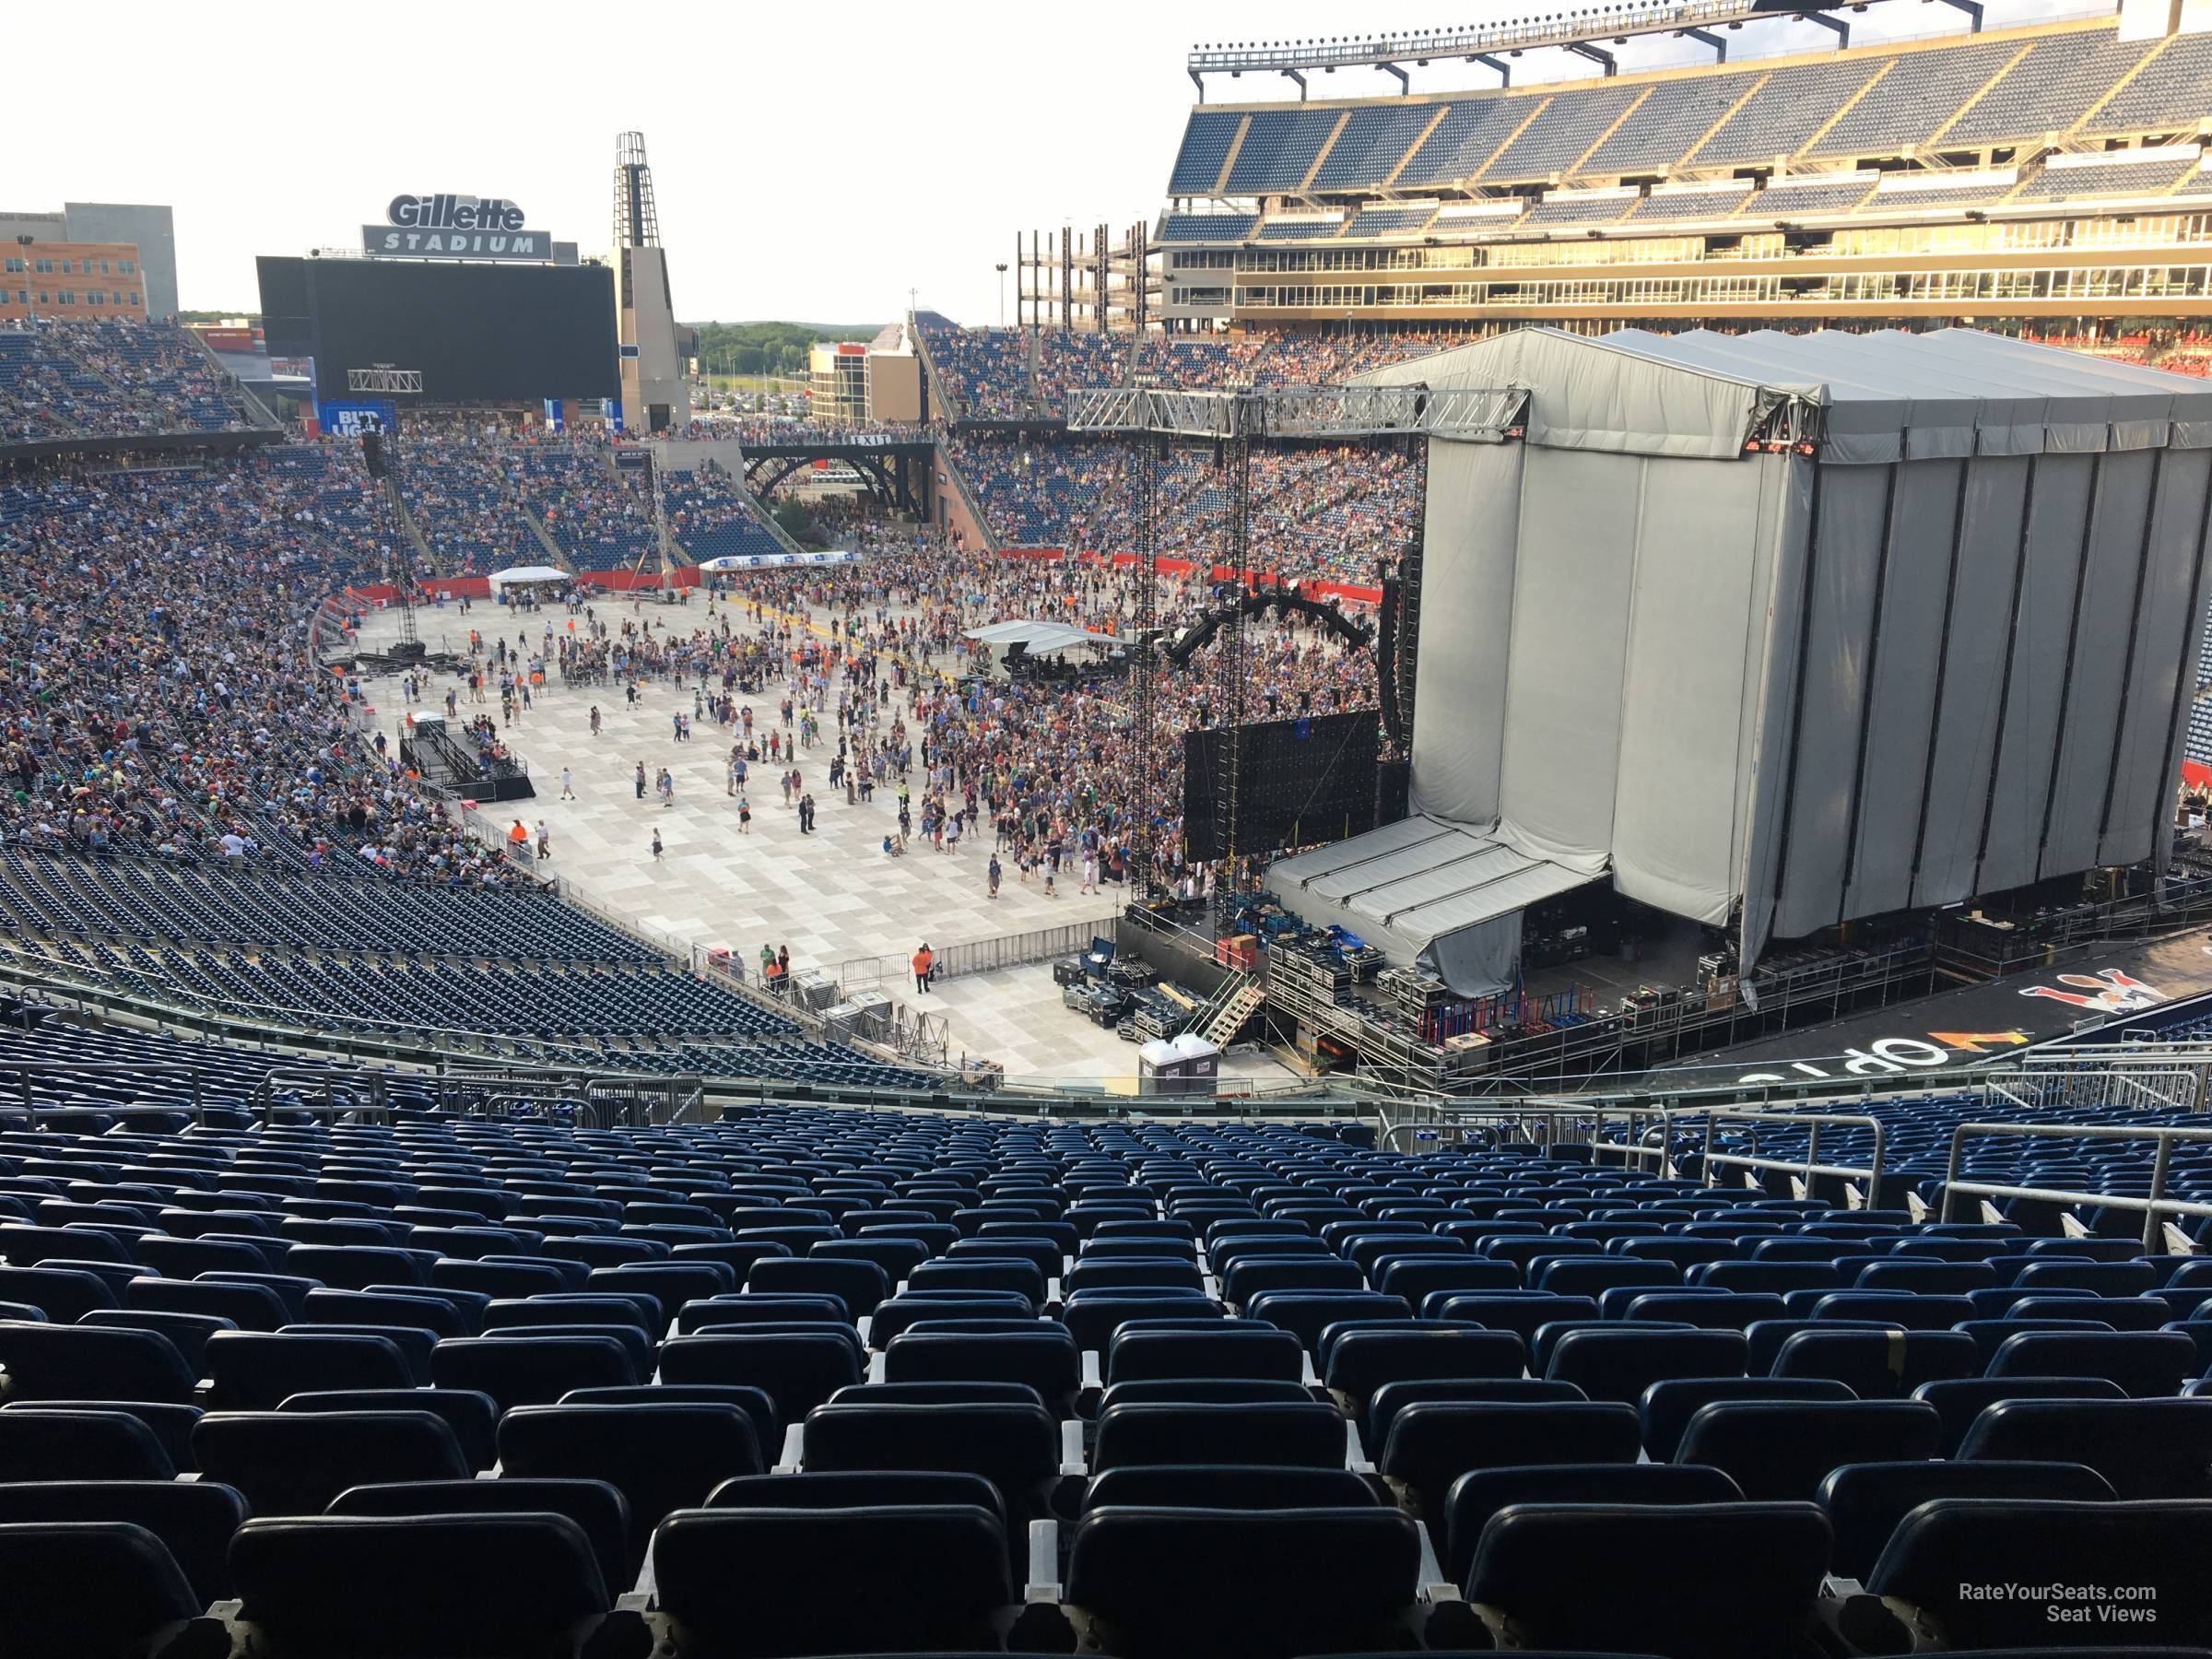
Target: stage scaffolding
[{"x": 1230, "y": 421}]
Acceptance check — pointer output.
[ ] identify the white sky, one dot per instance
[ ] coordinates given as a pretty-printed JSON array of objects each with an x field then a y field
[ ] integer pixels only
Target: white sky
[{"x": 811, "y": 164}]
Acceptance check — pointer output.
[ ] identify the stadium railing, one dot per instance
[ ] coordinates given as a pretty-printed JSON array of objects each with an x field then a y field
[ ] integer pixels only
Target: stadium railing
[{"x": 2155, "y": 1204}]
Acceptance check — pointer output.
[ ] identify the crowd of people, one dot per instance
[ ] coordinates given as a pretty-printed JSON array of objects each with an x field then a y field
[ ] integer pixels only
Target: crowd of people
[
  {"x": 1341, "y": 513},
  {"x": 160, "y": 689},
  {"x": 1026, "y": 373},
  {"x": 595, "y": 517},
  {"x": 1049, "y": 767},
  {"x": 980, "y": 373},
  {"x": 465, "y": 495},
  {"x": 68, "y": 379}
]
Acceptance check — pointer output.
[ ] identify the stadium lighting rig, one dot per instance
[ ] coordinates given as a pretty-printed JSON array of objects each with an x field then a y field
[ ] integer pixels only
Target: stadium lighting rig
[{"x": 1157, "y": 419}]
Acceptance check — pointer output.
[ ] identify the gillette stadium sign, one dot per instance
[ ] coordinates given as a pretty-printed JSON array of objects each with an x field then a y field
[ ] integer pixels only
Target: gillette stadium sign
[{"x": 455, "y": 227}]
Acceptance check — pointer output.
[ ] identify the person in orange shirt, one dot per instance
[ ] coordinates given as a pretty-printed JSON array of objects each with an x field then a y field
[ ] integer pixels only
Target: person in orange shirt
[
  {"x": 518, "y": 838},
  {"x": 925, "y": 963}
]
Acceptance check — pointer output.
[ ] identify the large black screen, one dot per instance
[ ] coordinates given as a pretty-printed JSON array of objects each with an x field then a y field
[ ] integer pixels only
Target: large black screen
[
  {"x": 1298, "y": 781},
  {"x": 480, "y": 332}
]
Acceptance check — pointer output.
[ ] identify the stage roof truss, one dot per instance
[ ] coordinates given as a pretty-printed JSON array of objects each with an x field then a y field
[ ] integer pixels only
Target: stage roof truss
[{"x": 1470, "y": 414}]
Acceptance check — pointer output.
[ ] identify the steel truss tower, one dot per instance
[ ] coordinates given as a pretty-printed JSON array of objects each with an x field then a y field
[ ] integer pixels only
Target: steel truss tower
[{"x": 1230, "y": 421}]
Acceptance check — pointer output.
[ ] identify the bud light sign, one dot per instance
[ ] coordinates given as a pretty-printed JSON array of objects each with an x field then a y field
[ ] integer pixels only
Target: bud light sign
[{"x": 351, "y": 420}]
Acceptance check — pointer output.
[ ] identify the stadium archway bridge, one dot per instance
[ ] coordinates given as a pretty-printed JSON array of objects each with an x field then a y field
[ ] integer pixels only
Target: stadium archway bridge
[{"x": 896, "y": 471}]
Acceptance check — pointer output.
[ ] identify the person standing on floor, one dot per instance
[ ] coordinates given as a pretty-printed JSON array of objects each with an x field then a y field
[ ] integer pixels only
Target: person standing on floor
[
  {"x": 745, "y": 816},
  {"x": 640, "y": 780},
  {"x": 568, "y": 788},
  {"x": 924, "y": 964},
  {"x": 545, "y": 843},
  {"x": 991, "y": 891},
  {"x": 656, "y": 846}
]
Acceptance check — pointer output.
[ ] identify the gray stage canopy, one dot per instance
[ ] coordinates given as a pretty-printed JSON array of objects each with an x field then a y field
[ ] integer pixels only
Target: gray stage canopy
[
  {"x": 1786, "y": 630},
  {"x": 1425, "y": 890}
]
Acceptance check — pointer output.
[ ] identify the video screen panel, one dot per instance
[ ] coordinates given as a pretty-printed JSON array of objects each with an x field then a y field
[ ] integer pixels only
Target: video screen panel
[
  {"x": 1299, "y": 781},
  {"x": 479, "y": 333}
]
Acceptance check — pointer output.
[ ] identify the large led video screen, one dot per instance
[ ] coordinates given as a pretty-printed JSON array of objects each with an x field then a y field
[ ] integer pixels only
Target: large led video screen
[{"x": 477, "y": 333}]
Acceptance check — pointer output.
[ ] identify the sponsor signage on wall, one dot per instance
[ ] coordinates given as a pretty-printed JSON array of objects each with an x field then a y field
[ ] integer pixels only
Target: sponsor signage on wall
[
  {"x": 351, "y": 420},
  {"x": 455, "y": 227}
]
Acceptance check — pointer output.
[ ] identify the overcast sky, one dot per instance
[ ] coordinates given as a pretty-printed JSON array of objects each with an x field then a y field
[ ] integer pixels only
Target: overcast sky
[{"x": 811, "y": 163}]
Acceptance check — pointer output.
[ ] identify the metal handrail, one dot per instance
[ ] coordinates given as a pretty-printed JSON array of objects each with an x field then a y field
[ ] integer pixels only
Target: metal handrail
[
  {"x": 2153, "y": 1206},
  {"x": 1808, "y": 1166},
  {"x": 377, "y": 1107},
  {"x": 26, "y": 1070},
  {"x": 1436, "y": 1114}
]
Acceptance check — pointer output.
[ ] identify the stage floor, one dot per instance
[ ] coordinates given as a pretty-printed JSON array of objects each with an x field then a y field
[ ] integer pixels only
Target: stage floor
[
  {"x": 1975, "y": 1022},
  {"x": 1667, "y": 956},
  {"x": 831, "y": 897}
]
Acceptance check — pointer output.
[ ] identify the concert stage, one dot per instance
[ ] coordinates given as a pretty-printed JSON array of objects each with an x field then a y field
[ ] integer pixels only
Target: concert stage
[{"x": 1778, "y": 632}]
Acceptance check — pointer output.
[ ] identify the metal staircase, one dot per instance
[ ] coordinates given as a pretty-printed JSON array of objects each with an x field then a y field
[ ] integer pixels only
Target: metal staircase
[{"x": 1241, "y": 999}]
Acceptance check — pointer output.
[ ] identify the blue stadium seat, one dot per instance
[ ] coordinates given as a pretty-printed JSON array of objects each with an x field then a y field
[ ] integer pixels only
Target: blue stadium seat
[
  {"x": 143, "y": 1596},
  {"x": 1727, "y": 1580},
  {"x": 1866, "y": 1501},
  {"x": 478, "y": 1584}
]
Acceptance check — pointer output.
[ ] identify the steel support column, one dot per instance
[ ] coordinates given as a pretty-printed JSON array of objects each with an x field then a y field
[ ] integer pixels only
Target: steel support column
[{"x": 1144, "y": 662}]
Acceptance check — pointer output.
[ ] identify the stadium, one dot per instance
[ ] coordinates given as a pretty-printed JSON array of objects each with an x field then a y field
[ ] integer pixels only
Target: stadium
[{"x": 1469, "y": 910}]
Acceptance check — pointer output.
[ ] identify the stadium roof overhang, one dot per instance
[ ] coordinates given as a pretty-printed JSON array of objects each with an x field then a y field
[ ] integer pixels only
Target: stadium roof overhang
[{"x": 1578, "y": 31}]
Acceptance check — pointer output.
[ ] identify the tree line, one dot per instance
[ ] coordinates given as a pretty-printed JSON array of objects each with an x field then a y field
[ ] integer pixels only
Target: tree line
[{"x": 765, "y": 347}]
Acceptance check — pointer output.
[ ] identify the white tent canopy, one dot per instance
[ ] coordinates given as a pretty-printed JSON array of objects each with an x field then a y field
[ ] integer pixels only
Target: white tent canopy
[
  {"x": 1037, "y": 637},
  {"x": 526, "y": 575}
]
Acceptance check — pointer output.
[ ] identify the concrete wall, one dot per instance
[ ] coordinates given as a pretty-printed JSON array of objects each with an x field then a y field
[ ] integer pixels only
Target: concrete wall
[
  {"x": 646, "y": 320},
  {"x": 894, "y": 387}
]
